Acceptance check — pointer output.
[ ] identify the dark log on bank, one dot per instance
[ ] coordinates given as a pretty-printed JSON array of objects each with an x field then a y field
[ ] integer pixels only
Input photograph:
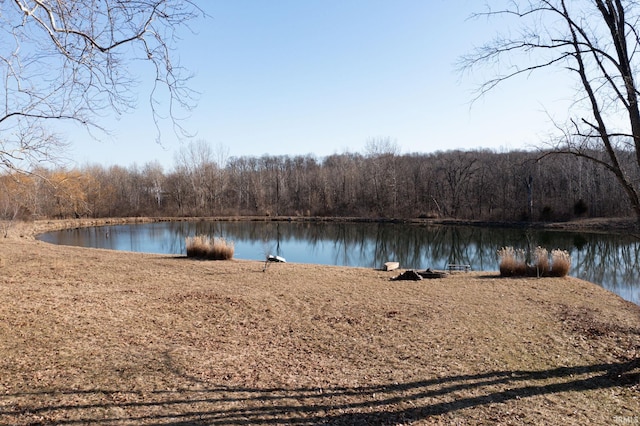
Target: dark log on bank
[
  {"x": 408, "y": 276},
  {"x": 432, "y": 274}
]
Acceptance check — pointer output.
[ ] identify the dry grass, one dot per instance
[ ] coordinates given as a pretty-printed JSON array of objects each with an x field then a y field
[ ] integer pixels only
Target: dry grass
[
  {"x": 102, "y": 337},
  {"x": 560, "y": 263},
  {"x": 541, "y": 262},
  {"x": 513, "y": 263},
  {"x": 205, "y": 247}
]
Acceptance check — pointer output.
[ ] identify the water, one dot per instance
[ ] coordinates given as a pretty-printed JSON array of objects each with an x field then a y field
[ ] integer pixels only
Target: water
[{"x": 605, "y": 259}]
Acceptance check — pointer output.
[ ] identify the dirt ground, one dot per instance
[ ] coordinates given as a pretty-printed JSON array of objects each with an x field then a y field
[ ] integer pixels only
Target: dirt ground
[{"x": 102, "y": 337}]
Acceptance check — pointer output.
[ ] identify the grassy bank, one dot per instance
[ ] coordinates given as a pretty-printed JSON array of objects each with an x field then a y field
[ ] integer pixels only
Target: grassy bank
[{"x": 98, "y": 336}]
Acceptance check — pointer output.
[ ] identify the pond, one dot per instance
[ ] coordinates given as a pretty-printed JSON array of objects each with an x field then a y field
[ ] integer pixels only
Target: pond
[{"x": 605, "y": 259}]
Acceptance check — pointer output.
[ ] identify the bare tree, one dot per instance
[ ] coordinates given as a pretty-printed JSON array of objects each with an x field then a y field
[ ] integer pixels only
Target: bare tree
[
  {"x": 382, "y": 156},
  {"x": 11, "y": 192},
  {"x": 196, "y": 163},
  {"x": 595, "y": 41},
  {"x": 153, "y": 178},
  {"x": 69, "y": 60}
]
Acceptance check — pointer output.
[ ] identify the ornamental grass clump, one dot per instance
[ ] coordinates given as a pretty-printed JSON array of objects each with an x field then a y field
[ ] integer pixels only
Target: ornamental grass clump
[
  {"x": 540, "y": 262},
  {"x": 205, "y": 247},
  {"x": 560, "y": 263},
  {"x": 513, "y": 263}
]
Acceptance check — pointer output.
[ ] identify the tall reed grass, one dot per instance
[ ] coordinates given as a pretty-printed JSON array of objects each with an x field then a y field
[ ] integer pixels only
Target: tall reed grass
[
  {"x": 560, "y": 263},
  {"x": 209, "y": 248},
  {"x": 540, "y": 262},
  {"x": 513, "y": 263}
]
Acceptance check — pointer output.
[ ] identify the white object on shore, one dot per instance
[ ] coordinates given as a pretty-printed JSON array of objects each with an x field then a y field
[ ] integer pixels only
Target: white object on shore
[
  {"x": 390, "y": 266},
  {"x": 272, "y": 258}
]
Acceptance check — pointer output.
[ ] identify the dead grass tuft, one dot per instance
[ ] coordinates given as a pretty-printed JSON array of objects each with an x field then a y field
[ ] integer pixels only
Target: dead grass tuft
[
  {"x": 540, "y": 261},
  {"x": 513, "y": 263},
  {"x": 205, "y": 247},
  {"x": 560, "y": 263}
]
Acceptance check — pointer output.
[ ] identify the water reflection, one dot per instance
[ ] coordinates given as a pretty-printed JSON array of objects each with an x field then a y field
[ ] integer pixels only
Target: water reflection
[{"x": 609, "y": 260}]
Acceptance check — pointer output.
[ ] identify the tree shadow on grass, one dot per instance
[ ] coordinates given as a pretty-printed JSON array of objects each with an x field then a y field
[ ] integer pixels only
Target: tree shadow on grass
[{"x": 375, "y": 404}]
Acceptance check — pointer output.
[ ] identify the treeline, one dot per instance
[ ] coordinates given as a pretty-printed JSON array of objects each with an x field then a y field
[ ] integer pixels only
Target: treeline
[{"x": 482, "y": 185}]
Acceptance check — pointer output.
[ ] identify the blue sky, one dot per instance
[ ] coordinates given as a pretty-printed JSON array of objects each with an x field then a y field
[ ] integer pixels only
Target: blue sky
[{"x": 295, "y": 77}]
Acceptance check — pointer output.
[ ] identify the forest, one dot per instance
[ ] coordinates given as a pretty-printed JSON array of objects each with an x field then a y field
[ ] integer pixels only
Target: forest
[{"x": 470, "y": 185}]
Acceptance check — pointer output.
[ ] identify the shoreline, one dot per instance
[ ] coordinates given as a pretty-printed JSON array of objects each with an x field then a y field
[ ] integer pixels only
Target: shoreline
[
  {"x": 44, "y": 226},
  {"x": 585, "y": 225}
]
